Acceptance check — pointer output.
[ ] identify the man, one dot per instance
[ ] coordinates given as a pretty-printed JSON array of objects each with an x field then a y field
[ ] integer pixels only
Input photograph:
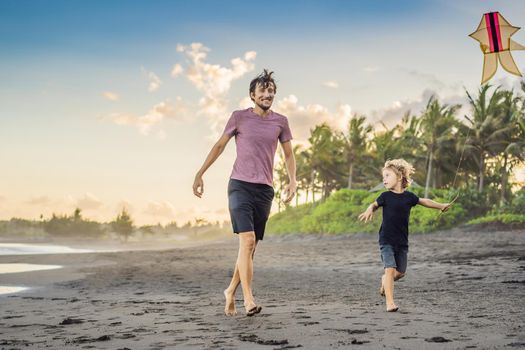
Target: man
[{"x": 250, "y": 189}]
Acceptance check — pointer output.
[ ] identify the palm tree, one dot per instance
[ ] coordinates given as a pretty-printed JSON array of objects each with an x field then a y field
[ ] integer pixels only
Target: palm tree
[
  {"x": 387, "y": 144},
  {"x": 486, "y": 130},
  {"x": 355, "y": 143},
  {"x": 513, "y": 139},
  {"x": 282, "y": 177},
  {"x": 437, "y": 125},
  {"x": 325, "y": 158},
  {"x": 303, "y": 171}
]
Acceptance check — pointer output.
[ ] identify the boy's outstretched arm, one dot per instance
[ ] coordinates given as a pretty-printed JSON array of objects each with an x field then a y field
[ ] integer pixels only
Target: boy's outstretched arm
[
  {"x": 434, "y": 205},
  {"x": 368, "y": 214}
]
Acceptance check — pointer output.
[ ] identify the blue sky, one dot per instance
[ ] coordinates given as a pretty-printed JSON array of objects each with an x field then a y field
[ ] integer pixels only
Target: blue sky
[{"x": 94, "y": 114}]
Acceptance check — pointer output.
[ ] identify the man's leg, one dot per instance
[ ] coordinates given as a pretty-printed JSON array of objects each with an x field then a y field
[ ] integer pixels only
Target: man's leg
[
  {"x": 229, "y": 293},
  {"x": 243, "y": 273},
  {"x": 245, "y": 266}
]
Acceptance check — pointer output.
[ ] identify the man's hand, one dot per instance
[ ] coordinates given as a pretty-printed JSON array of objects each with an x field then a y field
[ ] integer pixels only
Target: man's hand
[
  {"x": 290, "y": 191},
  {"x": 367, "y": 215},
  {"x": 198, "y": 186}
]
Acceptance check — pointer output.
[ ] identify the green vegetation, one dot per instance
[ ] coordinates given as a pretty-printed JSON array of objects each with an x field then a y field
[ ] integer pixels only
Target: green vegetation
[
  {"x": 500, "y": 218},
  {"x": 338, "y": 215}
]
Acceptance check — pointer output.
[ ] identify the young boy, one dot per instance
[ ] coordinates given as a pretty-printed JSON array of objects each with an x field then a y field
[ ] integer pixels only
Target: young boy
[{"x": 393, "y": 234}]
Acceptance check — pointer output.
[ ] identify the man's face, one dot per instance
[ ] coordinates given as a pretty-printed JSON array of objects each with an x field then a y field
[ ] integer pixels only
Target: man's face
[{"x": 263, "y": 97}]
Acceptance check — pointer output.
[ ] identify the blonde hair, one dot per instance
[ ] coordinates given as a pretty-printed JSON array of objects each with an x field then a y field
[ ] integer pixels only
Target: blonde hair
[{"x": 402, "y": 169}]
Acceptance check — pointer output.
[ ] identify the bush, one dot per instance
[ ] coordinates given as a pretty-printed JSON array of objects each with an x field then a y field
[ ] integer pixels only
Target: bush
[
  {"x": 73, "y": 226},
  {"x": 339, "y": 213},
  {"x": 289, "y": 220},
  {"x": 505, "y": 218}
]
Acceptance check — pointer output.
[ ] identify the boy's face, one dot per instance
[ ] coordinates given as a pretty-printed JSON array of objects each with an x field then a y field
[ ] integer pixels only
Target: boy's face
[
  {"x": 263, "y": 97},
  {"x": 390, "y": 179}
]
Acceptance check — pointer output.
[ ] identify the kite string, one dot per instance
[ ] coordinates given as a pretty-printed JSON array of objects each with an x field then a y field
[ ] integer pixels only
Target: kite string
[
  {"x": 457, "y": 170},
  {"x": 460, "y": 158}
]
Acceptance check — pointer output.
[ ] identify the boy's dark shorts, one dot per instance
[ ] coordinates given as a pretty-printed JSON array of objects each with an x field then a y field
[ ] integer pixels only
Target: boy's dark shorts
[
  {"x": 394, "y": 256},
  {"x": 249, "y": 205}
]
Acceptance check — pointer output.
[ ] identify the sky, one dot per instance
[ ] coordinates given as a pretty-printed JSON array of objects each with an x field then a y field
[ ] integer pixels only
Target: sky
[{"x": 112, "y": 104}]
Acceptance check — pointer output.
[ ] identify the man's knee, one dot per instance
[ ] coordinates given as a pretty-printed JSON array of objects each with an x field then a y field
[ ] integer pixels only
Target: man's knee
[{"x": 247, "y": 240}]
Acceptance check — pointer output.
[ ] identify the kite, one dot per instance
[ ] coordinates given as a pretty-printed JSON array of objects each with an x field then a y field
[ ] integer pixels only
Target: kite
[{"x": 493, "y": 34}]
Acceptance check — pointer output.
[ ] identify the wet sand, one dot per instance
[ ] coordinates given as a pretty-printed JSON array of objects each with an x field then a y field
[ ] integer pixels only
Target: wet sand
[{"x": 463, "y": 290}]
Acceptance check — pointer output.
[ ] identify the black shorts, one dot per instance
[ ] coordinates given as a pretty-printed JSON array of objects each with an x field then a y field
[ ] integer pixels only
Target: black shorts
[{"x": 249, "y": 205}]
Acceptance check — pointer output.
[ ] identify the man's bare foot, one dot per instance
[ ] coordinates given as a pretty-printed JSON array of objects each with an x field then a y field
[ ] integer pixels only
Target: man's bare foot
[
  {"x": 382, "y": 288},
  {"x": 391, "y": 308},
  {"x": 252, "y": 309},
  {"x": 229, "y": 309}
]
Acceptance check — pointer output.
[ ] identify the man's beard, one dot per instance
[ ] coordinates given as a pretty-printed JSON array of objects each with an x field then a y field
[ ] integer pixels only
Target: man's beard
[{"x": 263, "y": 107}]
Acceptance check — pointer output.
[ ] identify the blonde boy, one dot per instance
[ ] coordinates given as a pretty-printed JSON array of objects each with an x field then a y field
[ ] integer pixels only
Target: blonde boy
[{"x": 393, "y": 234}]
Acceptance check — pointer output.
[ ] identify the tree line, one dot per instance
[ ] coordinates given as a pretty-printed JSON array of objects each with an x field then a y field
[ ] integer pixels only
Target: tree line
[
  {"x": 122, "y": 227},
  {"x": 489, "y": 141}
]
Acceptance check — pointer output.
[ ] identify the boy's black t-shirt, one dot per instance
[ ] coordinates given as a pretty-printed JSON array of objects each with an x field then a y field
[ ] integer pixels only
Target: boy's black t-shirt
[{"x": 396, "y": 213}]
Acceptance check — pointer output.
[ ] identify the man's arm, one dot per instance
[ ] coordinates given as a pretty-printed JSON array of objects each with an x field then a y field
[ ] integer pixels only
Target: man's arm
[
  {"x": 215, "y": 152},
  {"x": 289, "y": 159},
  {"x": 434, "y": 205}
]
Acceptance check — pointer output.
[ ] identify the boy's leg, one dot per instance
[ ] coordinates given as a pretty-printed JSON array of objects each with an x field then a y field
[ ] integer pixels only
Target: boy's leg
[
  {"x": 401, "y": 256},
  {"x": 398, "y": 275},
  {"x": 387, "y": 280},
  {"x": 394, "y": 274},
  {"x": 389, "y": 288}
]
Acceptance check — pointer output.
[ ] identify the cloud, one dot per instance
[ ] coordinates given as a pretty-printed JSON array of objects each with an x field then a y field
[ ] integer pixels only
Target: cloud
[
  {"x": 331, "y": 84},
  {"x": 303, "y": 118},
  {"x": 88, "y": 202},
  {"x": 213, "y": 80},
  {"x": 428, "y": 78},
  {"x": 160, "y": 209},
  {"x": 393, "y": 114},
  {"x": 177, "y": 111},
  {"x": 371, "y": 69},
  {"x": 246, "y": 102},
  {"x": 154, "y": 80},
  {"x": 177, "y": 70},
  {"x": 110, "y": 95},
  {"x": 41, "y": 200}
]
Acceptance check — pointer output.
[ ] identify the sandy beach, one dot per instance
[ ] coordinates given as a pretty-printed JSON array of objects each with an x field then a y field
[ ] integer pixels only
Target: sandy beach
[{"x": 463, "y": 290}]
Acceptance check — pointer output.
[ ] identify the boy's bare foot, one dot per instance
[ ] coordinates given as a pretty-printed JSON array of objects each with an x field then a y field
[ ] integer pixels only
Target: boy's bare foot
[
  {"x": 392, "y": 308},
  {"x": 229, "y": 309},
  {"x": 382, "y": 288}
]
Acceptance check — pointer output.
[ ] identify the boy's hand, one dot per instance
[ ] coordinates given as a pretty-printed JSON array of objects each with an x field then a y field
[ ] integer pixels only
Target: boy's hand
[
  {"x": 367, "y": 215},
  {"x": 445, "y": 207}
]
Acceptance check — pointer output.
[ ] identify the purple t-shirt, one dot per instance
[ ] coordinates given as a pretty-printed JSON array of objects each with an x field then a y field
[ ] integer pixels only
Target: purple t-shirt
[{"x": 256, "y": 138}]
